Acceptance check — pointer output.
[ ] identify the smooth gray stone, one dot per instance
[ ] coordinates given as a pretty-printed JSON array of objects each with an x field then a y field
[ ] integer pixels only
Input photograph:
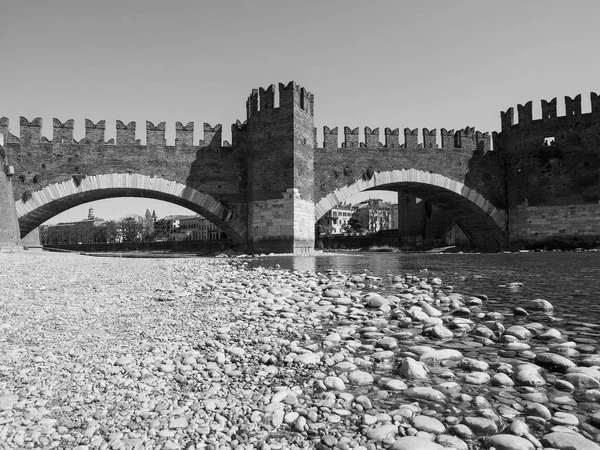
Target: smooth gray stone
[
  {"x": 508, "y": 442},
  {"x": 414, "y": 443},
  {"x": 569, "y": 441}
]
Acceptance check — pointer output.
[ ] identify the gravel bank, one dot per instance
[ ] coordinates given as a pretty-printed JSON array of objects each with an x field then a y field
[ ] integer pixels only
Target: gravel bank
[{"x": 99, "y": 353}]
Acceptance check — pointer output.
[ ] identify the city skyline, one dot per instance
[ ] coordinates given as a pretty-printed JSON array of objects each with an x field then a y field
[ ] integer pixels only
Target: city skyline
[
  {"x": 378, "y": 64},
  {"x": 106, "y": 209}
]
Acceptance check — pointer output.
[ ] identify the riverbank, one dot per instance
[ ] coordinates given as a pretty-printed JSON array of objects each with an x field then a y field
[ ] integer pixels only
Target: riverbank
[{"x": 205, "y": 353}]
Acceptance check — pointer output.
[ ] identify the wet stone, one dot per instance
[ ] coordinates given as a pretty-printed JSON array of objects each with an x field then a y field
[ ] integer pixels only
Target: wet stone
[
  {"x": 554, "y": 361},
  {"x": 266, "y": 358},
  {"x": 428, "y": 424},
  {"x": 569, "y": 441},
  {"x": 481, "y": 426},
  {"x": 509, "y": 442},
  {"x": 425, "y": 393},
  {"x": 414, "y": 443}
]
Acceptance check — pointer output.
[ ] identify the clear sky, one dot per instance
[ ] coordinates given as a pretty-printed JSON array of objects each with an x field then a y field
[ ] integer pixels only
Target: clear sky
[{"x": 424, "y": 63}]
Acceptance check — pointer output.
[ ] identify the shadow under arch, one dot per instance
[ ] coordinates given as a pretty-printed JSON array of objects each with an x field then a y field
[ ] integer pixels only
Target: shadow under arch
[
  {"x": 483, "y": 223},
  {"x": 56, "y": 198}
]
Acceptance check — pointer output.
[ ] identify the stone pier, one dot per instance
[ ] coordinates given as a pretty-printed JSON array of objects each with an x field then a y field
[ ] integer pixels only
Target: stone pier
[{"x": 10, "y": 239}]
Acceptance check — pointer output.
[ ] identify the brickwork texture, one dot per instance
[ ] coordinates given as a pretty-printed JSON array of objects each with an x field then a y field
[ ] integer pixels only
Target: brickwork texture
[{"x": 543, "y": 174}]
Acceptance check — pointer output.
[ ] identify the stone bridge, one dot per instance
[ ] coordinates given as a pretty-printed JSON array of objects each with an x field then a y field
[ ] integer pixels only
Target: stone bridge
[{"x": 267, "y": 188}]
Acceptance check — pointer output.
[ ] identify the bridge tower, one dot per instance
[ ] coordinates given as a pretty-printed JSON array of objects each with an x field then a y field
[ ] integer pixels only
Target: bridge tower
[
  {"x": 9, "y": 226},
  {"x": 280, "y": 159}
]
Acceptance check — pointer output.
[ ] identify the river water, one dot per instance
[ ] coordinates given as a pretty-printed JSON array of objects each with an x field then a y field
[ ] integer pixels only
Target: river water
[{"x": 568, "y": 280}]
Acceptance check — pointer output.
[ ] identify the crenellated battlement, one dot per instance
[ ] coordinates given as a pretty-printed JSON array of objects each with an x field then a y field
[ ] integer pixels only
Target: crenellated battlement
[
  {"x": 573, "y": 111},
  {"x": 94, "y": 133},
  {"x": 212, "y": 136},
  {"x": 292, "y": 95},
  {"x": 31, "y": 133},
  {"x": 155, "y": 135},
  {"x": 184, "y": 134},
  {"x": 126, "y": 133},
  {"x": 63, "y": 132},
  {"x": 239, "y": 134},
  {"x": 274, "y": 181},
  {"x": 350, "y": 138},
  {"x": 468, "y": 139}
]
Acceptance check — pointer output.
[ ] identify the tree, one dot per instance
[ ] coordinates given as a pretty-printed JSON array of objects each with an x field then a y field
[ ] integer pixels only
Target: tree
[
  {"x": 112, "y": 231},
  {"x": 44, "y": 235},
  {"x": 100, "y": 235},
  {"x": 131, "y": 228},
  {"x": 322, "y": 229},
  {"x": 355, "y": 224},
  {"x": 79, "y": 233}
]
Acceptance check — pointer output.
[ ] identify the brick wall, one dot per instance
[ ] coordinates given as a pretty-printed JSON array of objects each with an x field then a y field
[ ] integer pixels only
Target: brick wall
[
  {"x": 282, "y": 225},
  {"x": 335, "y": 168},
  {"x": 9, "y": 227},
  {"x": 539, "y": 223}
]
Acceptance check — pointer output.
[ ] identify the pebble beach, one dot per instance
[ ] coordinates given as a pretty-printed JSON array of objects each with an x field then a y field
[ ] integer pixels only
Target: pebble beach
[{"x": 207, "y": 353}]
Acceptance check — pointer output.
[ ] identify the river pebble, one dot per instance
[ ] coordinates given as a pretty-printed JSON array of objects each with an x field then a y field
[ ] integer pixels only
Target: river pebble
[{"x": 207, "y": 353}]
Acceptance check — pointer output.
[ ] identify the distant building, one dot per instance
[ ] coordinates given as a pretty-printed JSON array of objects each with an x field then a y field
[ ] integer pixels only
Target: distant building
[
  {"x": 336, "y": 219},
  {"x": 375, "y": 214},
  {"x": 394, "y": 217},
  {"x": 166, "y": 227},
  {"x": 186, "y": 228},
  {"x": 87, "y": 231}
]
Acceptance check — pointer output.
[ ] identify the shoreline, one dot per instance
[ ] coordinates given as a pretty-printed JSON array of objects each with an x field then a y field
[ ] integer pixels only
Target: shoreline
[
  {"x": 206, "y": 353},
  {"x": 345, "y": 252}
]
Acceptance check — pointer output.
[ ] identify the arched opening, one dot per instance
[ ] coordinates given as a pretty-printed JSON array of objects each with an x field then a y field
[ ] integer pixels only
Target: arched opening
[
  {"x": 56, "y": 198},
  {"x": 482, "y": 223}
]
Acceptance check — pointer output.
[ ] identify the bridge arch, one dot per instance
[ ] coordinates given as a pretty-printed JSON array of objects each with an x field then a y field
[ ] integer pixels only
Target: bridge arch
[
  {"x": 56, "y": 198},
  {"x": 485, "y": 225}
]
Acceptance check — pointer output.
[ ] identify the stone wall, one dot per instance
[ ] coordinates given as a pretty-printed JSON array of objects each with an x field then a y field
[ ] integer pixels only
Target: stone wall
[
  {"x": 10, "y": 238},
  {"x": 340, "y": 167},
  {"x": 552, "y": 171},
  {"x": 421, "y": 219},
  {"x": 534, "y": 224},
  {"x": 551, "y": 160},
  {"x": 304, "y": 224},
  {"x": 284, "y": 225},
  {"x": 207, "y": 166},
  {"x": 546, "y": 162}
]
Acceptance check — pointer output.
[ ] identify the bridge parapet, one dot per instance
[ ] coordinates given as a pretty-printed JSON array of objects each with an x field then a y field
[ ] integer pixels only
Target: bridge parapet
[
  {"x": 63, "y": 132},
  {"x": 184, "y": 134},
  {"x": 549, "y": 117},
  {"x": 94, "y": 133},
  {"x": 31, "y": 133},
  {"x": 155, "y": 135},
  {"x": 464, "y": 139}
]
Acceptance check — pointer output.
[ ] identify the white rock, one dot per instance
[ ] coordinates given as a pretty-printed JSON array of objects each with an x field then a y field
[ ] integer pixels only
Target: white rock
[
  {"x": 540, "y": 304},
  {"x": 360, "y": 378},
  {"x": 477, "y": 378},
  {"x": 334, "y": 384},
  {"x": 382, "y": 432},
  {"x": 569, "y": 441},
  {"x": 413, "y": 369},
  {"x": 428, "y": 424},
  {"x": 437, "y": 356},
  {"x": 414, "y": 443},
  {"x": 508, "y": 442},
  {"x": 529, "y": 374},
  {"x": 308, "y": 358}
]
